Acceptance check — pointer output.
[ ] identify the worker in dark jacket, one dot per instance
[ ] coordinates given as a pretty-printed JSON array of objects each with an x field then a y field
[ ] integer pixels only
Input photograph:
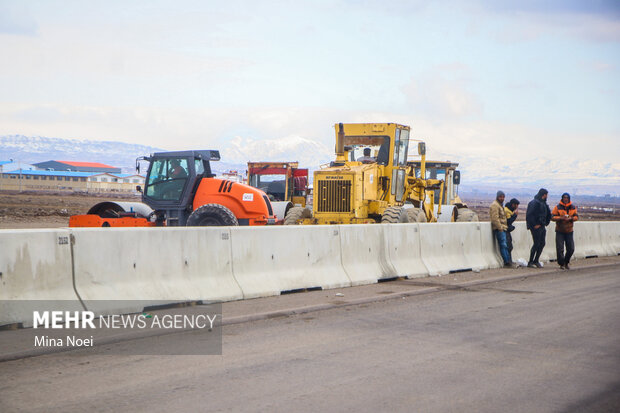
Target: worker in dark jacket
[
  {"x": 512, "y": 210},
  {"x": 537, "y": 217},
  {"x": 564, "y": 214}
]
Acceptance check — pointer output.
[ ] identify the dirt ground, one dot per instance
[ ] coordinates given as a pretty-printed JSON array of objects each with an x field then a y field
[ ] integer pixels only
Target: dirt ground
[
  {"x": 52, "y": 210},
  {"x": 48, "y": 210}
]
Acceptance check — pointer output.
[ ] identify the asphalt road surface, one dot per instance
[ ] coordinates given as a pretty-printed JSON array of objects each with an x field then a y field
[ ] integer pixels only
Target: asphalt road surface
[{"x": 542, "y": 344}]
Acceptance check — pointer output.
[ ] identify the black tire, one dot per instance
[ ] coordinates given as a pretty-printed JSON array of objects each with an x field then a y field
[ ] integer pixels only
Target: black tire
[
  {"x": 466, "y": 215},
  {"x": 212, "y": 215},
  {"x": 416, "y": 215},
  {"x": 295, "y": 214},
  {"x": 394, "y": 215}
]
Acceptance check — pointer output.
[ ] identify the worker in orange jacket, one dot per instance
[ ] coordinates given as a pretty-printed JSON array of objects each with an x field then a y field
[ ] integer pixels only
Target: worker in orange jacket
[{"x": 564, "y": 214}]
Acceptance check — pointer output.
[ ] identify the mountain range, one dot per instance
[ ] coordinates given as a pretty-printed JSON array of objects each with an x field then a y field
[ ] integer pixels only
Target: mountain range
[{"x": 482, "y": 175}]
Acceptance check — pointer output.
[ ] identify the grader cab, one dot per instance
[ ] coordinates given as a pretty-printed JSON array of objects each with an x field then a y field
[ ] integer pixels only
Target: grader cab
[
  {"x": 452, "y": 209},
  {"x": 372, "y": 181}
]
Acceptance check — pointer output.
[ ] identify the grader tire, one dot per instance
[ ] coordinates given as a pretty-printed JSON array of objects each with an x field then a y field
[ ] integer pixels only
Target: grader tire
[
  {"x": 416, "y": 215},
  {"x": 466, "y": 215},
  {"x": 295, "y": 214},
  {"x": 394, "y": 215},
  {"x": 210, "y": 215}
]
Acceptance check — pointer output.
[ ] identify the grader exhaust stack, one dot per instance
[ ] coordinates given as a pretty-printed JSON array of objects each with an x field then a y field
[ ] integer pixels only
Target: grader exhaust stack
[{"x": 340, "y": 158}]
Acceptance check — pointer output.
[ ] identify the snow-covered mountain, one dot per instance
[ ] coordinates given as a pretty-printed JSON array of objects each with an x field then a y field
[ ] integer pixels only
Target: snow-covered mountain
[
  {"x": 587, "y": 177},
  {"x": 235, "y": 155},
  {"x": 584, "y": 176},
  {"x": 33, "y": 149},
  {"x": 292, "y": 148}
]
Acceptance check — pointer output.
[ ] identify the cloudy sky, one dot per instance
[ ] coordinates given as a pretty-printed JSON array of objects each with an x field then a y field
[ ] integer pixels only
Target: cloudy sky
[{"x": 518, "y": 79}]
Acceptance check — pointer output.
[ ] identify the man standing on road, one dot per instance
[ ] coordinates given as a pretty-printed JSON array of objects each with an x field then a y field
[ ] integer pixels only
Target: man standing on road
[
  {"x": 511, "y": 210},
  {"x": 564, "y": 214},
  {"x": 537, "y": 218},
  {"x": 500, "y": 226}
]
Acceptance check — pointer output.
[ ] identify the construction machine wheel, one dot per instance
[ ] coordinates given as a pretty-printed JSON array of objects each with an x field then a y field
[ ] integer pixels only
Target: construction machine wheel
[
  {"x": 416, "y": 215},
  {"x": 394, "y": 215},
  {"x": 466, "y": 215},
  {"x": 111, "y": 209},
  {"x": 212, "y": 215},
  {"x": 295, "y": 214}
]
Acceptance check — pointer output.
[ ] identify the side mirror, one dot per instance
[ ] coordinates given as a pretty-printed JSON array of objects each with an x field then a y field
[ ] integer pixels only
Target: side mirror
[
  {"x": 139, "y": 188},
  {"x": 421, "y": 148},
  {"x": 456, "y": 178}
]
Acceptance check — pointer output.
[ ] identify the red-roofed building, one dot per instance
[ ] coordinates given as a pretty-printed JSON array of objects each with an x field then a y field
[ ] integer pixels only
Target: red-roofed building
[{"x": 76, "y": 166}]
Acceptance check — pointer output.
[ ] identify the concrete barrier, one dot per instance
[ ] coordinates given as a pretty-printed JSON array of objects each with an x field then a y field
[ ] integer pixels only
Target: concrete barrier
[
  {"x": 404, "y": 250},
  {"x": 35, "y": 265},
  {"x": 269, "y": 260},
  {"x": 521, "y": 242},
  {"x": 610, "y": 237},
  {"x": 365, "y": 255},
  {"x": 489, "y": 247},
  {"x": 549, "y": 253},
  {"x": 588, "y": 240},
  {"x": 161, "y": 265},
  {"x": 119, "y": 266},
  {"x": 450, "y": 247},
  {"x": 587, "y": 237}
]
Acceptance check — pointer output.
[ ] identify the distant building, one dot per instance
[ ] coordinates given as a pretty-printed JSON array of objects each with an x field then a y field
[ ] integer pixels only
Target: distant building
[
  {"x": 76, "y": 166},
  {"x": 37, "y": 180},
  {"x": 107, "y": 182},
  {"x": 8, "y": 166}
]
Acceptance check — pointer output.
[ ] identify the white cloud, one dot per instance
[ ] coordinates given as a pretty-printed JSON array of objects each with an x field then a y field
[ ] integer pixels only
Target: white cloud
[
  {"x": 443, "y": 92},
  {"x": 16, "y": 19}
]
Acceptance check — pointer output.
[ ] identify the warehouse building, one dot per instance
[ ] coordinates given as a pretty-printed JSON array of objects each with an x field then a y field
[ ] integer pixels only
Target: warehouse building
[
  {"x": 36, "y": 180},
  {"x": 76, "y": 166}
]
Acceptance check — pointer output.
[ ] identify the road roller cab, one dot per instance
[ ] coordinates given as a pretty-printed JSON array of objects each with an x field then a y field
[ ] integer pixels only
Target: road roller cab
[{"x": 181, "y": 190}]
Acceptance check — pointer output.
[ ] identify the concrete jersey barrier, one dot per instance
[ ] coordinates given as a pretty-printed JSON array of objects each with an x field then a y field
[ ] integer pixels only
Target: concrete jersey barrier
[
  {"x": 610, "y": 237},
  {"x": 108, "y": 268},
  {"x": 489, "y": 247},
  {"x": 587, "y": 237},
  {"x": 269, "y": 260},
  {"x": 404, "y": 250},
  {"x": 35, "y": 265},
  {"x": 130, "y": 267},
  {"x": 450, "y": 247},
  {"x": 365, "y": 255},
  {"x": 588, "y": 240},
  {"x": 521, "y": 242}
]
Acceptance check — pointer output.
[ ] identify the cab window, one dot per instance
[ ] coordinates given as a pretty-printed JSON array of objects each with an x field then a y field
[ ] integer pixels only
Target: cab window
[
  {"x": 401, "y": 145},
  {"x": 167, "y": 178},
  {"x": 379, "y": 147}
]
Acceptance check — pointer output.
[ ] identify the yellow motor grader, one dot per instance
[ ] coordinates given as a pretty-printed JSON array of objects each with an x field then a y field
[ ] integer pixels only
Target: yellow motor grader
[
  {"x": 448, "y": 206},
  {"x": 371, "y": 180}
]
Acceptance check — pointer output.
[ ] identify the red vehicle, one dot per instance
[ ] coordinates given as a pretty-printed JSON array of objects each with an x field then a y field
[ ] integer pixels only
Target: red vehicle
[{"x": 285, "y": 184}]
